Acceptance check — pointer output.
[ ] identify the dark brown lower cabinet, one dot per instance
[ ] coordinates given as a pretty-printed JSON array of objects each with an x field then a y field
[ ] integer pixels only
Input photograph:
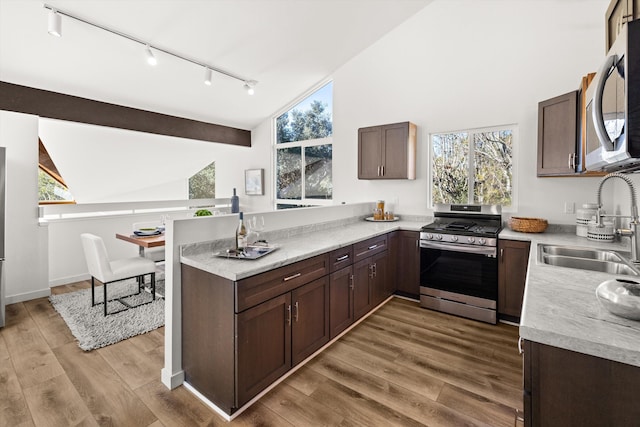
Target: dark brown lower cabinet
[
  {"x": 264, "y": 345},
  {"x": 310, "y": 324},
  {"x": 278, "y": 334},
  {"x": 232, "y": 355},
  {"x": 370, "y": 282},
  {"x": 239, "y": 337},
  {"x": 566, "y": 388},
  {"x": 407, "y": 272},
  {"x": 340, "y": 300},
  {"x": 381, "y": 284},
  {"x": 362, "y": 274},
  {"x": 512, "y": 275}
]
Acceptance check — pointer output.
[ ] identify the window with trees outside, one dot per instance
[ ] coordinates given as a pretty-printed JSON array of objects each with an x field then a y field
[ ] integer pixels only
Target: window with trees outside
[
  {"x": 304, "y": 151},
  {"x": 202, "y": 185},
  {"x": 473, "y": 166}
]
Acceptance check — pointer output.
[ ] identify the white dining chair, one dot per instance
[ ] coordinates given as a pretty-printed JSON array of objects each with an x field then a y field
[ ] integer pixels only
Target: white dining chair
[{"x": 107, "y": 271}]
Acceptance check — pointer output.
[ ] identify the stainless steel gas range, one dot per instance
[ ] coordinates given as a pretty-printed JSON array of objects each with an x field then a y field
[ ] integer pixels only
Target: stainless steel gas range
[{"x": 458, "y": 261}]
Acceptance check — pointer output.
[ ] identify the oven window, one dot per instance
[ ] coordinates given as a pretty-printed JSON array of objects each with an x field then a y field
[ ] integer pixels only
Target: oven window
[{"x": 459, "y": 272}]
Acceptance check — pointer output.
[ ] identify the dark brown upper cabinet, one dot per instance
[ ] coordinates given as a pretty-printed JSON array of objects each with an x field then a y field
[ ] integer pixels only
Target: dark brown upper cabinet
[
  {"x": 387, "y": 151},
  {"x": 561, "y": 134},
  {"x": 558, "y": 135},
  {"x": 618, "y": 13}
]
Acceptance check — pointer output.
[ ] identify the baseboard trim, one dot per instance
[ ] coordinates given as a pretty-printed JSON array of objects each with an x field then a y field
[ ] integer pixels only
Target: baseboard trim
[
  {"x": 69, "y": 279},
  {"x": 12, "y": 299},
  {"x": 171, "y": 380}
]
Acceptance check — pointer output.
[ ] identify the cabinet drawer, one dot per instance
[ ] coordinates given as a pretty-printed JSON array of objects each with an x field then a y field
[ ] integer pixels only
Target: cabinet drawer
[
  {"x": 369, "y": 247},
  {"x": 340, "y": 258},
  {"x": 261, "y": 287}
]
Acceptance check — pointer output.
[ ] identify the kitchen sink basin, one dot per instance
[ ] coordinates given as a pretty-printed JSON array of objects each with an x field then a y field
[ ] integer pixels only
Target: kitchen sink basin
[
  {"x": 567, "y": 251},
  {"x": 601, "y": 260}
]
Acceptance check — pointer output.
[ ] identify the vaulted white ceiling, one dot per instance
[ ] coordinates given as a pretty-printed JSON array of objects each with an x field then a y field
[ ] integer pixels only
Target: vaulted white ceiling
[{"x": 288, "y": 46}]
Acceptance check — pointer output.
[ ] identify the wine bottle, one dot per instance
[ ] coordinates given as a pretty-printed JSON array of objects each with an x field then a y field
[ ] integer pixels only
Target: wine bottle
[
  {"x": 241, "y": 235},
  {"x": 235, "y": 202}
]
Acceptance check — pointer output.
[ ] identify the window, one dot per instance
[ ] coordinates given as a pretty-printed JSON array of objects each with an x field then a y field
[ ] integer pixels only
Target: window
[
  {"x": 304, "y": 151},
  {"x": 202, "y": 185},
  {"x": 473, "y": 166},
  {"x": 52, "y": 190},
  {"x": 51, "y": 187}
]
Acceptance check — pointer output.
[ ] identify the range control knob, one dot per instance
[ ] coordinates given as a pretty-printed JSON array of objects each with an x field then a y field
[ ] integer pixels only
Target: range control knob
[
  {"x": 454, "y": 238},
  {"x": 471, "y": 239},
  {"x": 430, "y": 236},
  {"x": 482, "y": 241},
  {"x": 438, "y": 236}
]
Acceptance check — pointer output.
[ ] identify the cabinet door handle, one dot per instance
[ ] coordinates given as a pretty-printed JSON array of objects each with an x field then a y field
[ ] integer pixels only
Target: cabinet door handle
[
  {"x": 501, "y": 254},
  {"x": 351, "y": 282},
  {"x": 372, "y": 247},
  {"x": 289, "y": 315},
  {"x": 382, "y": 170},
  {"x": 572, "y": 161},
  {"x": 375, "y": 269},
  {"x": 286, "y": 279},
  {"x": 520, "y": 350},
  {"x": 295, "y": 316},
  {"x": 342, "y": 258},
  {"x": 378, "y": 170},
  {"x": 371, "y": 271}
]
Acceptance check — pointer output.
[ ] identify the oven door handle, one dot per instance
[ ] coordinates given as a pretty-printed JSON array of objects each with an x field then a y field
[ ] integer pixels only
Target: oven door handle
[{"x": 490, "y": 251}]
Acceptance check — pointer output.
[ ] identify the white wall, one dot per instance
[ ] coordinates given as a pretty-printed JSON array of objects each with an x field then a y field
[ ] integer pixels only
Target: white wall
[
  {"x": 461, "y": 64},
  {"x": 25, "y": 241},
  {"x": 467, "y": 64}
]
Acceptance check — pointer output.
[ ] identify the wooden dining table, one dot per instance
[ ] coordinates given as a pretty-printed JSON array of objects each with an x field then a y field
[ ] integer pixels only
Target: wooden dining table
[{"x": 142, "y": 241}]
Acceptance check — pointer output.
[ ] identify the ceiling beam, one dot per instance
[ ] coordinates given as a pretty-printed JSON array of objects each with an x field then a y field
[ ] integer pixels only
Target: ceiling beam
[{"x": 54, "y": 105}]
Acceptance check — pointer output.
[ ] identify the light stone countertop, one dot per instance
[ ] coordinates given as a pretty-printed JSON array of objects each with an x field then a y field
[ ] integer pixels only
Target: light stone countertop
[
  {"x": 560, "y": 307},
  {"x": 291, "y": 248}
]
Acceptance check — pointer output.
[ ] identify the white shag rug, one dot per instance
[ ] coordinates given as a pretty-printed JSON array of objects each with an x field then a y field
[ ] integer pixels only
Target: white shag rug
[{"x": 93, "y": 329}]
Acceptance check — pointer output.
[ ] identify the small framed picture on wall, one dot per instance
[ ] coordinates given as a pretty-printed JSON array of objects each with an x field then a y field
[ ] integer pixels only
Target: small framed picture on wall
[{"x": 254, "y": 182}]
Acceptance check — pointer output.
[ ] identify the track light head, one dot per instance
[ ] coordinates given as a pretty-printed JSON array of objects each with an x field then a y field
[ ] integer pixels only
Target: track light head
[
  {"x": 151, "y": 60},
  {"x": 207, "y": 76},
  {"x": 55, "y": 23},
  {"x": 249, "y": 86}
]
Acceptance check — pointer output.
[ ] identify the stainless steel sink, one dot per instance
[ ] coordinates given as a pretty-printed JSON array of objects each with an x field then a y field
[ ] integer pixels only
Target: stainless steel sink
[{"x": 601, "y": 260}]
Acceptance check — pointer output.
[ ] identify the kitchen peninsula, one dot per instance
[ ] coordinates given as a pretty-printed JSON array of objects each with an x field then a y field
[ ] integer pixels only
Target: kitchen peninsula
[{"x": 256, "y": 320}]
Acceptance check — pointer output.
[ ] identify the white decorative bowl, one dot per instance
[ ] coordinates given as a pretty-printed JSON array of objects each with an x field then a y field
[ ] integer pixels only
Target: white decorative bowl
[{"x": 621, "y": 297}]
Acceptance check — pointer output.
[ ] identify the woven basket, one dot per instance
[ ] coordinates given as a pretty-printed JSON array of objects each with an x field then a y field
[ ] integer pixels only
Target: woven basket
[{"x": 528, "y": 225}]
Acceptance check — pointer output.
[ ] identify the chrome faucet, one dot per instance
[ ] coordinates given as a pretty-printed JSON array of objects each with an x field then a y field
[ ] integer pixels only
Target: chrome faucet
[{"x": 632, "y": 232}]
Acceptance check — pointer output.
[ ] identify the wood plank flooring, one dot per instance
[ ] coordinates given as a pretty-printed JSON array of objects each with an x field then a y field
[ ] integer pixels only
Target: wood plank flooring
[{"x": 403, "y": 366}]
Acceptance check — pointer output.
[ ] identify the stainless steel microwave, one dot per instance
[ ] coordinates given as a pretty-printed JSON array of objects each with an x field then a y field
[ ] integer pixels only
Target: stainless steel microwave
[{"x": 613, "y": 107}]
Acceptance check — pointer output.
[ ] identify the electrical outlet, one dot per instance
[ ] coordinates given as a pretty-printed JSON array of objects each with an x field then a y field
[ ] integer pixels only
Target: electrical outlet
[{"x": 569, "y": 207}]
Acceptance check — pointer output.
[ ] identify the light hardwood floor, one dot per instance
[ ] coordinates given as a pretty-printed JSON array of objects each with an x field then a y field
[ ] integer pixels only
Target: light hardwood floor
[{"x": 403, "y": 366}]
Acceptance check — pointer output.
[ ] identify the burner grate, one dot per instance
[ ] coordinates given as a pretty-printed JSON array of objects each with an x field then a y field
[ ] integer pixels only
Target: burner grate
[{"x": 459, "y": 225}]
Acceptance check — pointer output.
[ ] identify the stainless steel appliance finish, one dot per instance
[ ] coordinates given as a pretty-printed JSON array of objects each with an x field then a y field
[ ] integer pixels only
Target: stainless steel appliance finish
[
  {"x": 458, "y": 261},
  {"x": 3, "y": 162},
  {"x": 613, "y": 116}
]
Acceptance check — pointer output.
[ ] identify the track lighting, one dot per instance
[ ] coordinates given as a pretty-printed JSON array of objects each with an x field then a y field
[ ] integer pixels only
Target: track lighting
[
  {"x": 55, "y": 28},
  {"x": 55, "y": 23},
  {"x": 151, "y": 60},
  {"x": 249, "y": 85}
]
